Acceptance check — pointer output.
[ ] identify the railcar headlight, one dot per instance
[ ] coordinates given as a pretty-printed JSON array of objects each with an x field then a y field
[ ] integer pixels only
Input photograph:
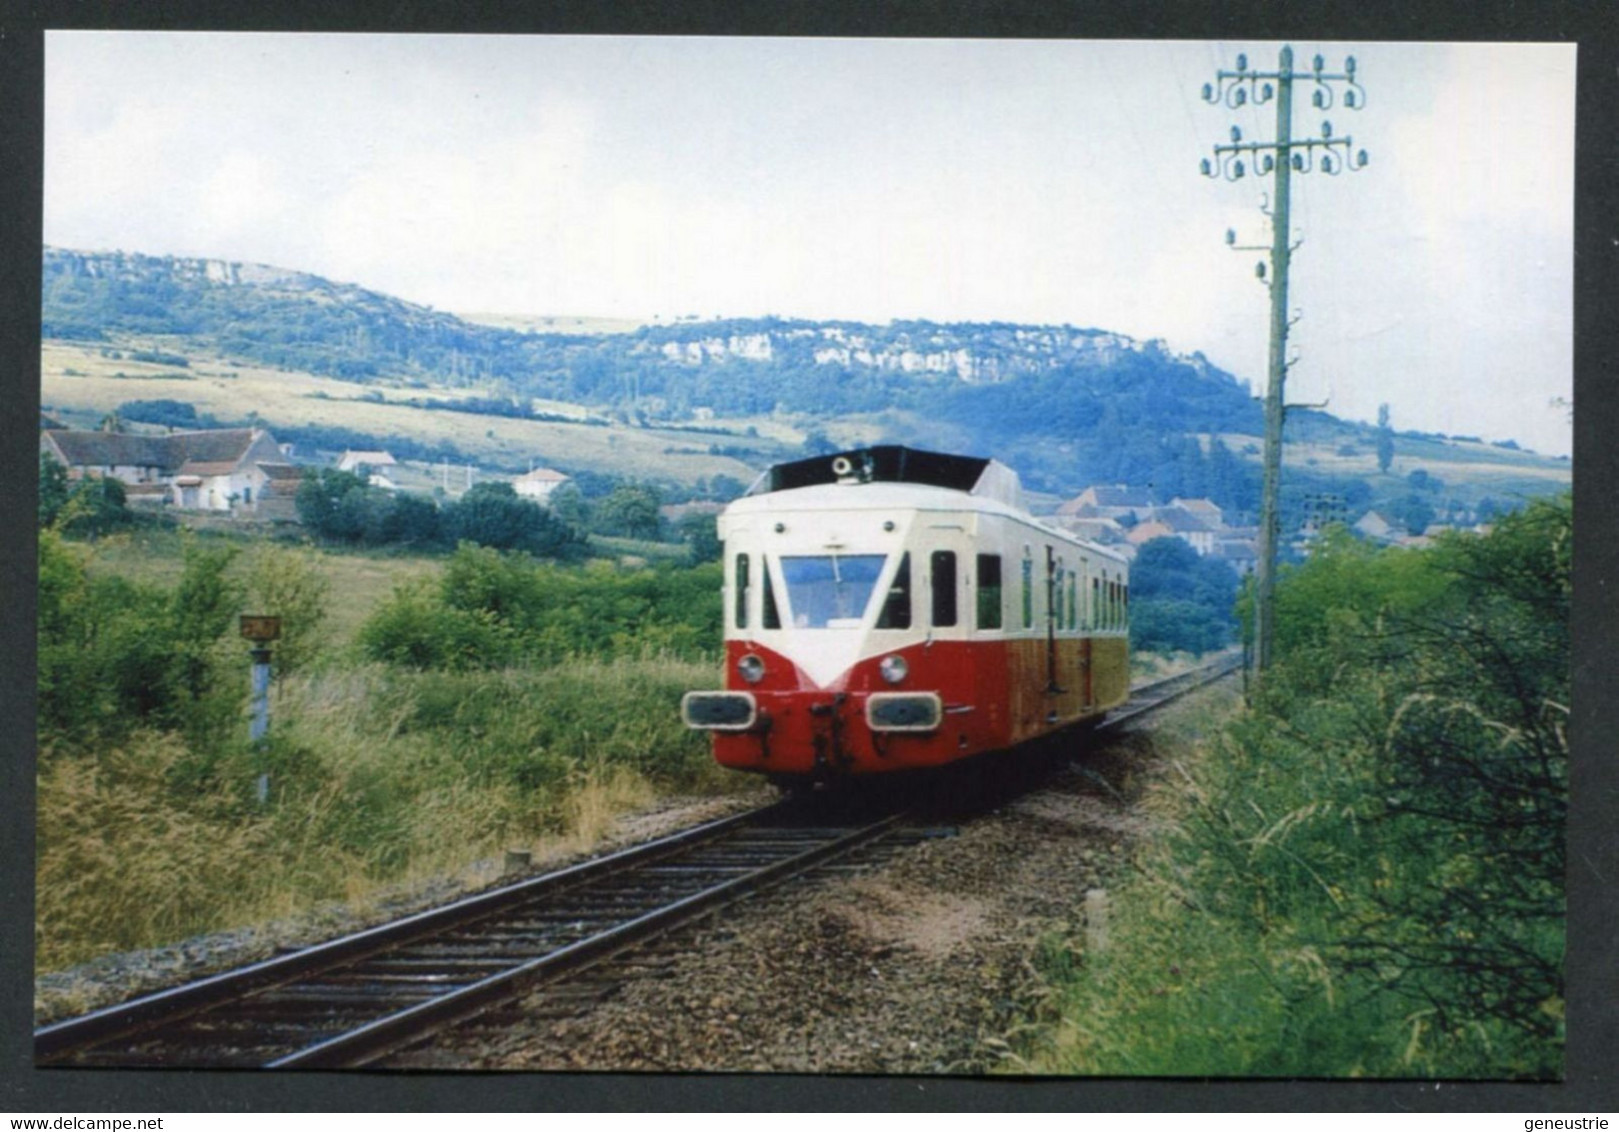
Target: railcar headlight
[
  {"x": 751, "y": 668},
  {"x": 894, "y": 669}
]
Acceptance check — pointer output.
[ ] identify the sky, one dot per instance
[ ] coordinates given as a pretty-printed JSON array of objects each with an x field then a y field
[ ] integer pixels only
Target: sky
[{"x": 1025, "y": 181}]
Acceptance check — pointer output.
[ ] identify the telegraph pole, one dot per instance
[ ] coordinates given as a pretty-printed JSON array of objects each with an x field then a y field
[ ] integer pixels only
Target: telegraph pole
[{"x": 1283, "y": 156}]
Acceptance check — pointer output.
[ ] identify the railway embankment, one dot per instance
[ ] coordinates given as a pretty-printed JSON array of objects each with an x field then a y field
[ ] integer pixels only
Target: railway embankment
[
  {"x": 1365, "y": 875},
  {"x": 120, "y": 975},
  {"x": 910, "y": 959}
]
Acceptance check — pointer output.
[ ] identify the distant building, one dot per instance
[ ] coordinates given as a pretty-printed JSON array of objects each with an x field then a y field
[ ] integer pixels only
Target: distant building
[
  {"x": 539, "y": 484},
  {"x": 1241, "y": 554},
  {"x": 352, "y": 461},
  {"x": 1092, "y": 528},
  {"x": 674, "y": 512},
  {"x": 1102, "y": 501},
  {"x": 1205, "y": 509},
  {"x": 1374, "y": 526},
  {"x": 207, "y": 470},
  {"x": 1176, "y": 522}
]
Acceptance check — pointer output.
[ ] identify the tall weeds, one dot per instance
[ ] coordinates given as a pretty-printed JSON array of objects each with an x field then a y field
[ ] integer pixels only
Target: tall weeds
[
  {"x": 148, "y": 825},
  {"x": 1365, "y": 872},
  {"x": 378, "y": 777}
]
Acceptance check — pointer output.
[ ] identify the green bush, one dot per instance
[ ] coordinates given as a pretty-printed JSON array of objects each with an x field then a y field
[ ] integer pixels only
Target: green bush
[
  {"x": 1366, "y": 876},
  {"x": 490, "y": 609},
  {"x": 114, "y": 655}
]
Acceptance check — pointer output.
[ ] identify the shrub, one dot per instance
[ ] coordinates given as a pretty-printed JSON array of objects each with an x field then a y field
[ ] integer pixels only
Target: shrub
[
  {"x": 490, "y": 608},
  {"x": 1367, "y": 874},
  {"x": 494, "y": 515}
]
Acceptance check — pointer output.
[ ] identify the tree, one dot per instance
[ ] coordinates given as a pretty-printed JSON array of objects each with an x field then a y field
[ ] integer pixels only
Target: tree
[
  {"x": 94, "y": 505},
  {"x": 631, "y": 510},
  {"x": 701, "y": 533},
  {"x": 289, "y": 585},
  {"x": 1179, "y": 600},
  {"x": 494, "y": 515},
  {"x": 1416, "y": 513},
  {"x": 1385, "y": 439},
  {"x": 319, "y": 498},
  {"x": 54, "y": 489}
]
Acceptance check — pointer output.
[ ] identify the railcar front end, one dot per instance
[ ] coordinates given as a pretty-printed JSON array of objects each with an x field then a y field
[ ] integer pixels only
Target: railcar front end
[{"x": 889, "y": 610}]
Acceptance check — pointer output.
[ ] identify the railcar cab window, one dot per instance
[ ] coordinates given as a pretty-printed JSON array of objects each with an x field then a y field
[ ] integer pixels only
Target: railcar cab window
[
  {"x": 989, "y": 591},
  {"x": 830, "y": 591},
  {"x": 942, "y": 569},
  {"x": 741, "y": 588},
  {"x": 772, "y": 616}
]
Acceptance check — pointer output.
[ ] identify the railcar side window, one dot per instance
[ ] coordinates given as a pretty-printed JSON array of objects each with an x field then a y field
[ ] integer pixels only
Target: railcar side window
[
  {"x": 1028, "y": 592},
  {"x": 896, "y": 612},
  {"x": 1094, "y": 620},
  {"x": 772, "y": 616},
  {"x": 742, "y": 591},
  {"x": 1073, "y": 602},
  {"x": 989, "y": 591},
  {"x": 942, "y": 567}
]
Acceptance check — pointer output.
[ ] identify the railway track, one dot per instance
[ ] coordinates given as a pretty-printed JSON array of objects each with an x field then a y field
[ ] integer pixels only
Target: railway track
[
  {"x": 355, "y": 1000},
  {"x": 1147, "y": 698}
]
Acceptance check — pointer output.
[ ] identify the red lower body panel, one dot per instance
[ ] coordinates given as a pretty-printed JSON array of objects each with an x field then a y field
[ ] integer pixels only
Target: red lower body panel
[{"x": 994, "y": 694}]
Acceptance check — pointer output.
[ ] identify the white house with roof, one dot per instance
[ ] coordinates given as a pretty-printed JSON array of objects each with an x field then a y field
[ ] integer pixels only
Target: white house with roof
[
  {"x": 202, "y": 470},
  {"x": 1207, "y": 510},
  {"x": 538, "y": 484},
  {"x": 1377, "y": 527},
  {"x": 1108, "y": 501},
  {"x": 1176, "y": 522}
]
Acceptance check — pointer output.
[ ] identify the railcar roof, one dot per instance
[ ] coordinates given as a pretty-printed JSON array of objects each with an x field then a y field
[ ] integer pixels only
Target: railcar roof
[
  {"x": 889, "y": 496},
  {"x": 890, "y": 463}
]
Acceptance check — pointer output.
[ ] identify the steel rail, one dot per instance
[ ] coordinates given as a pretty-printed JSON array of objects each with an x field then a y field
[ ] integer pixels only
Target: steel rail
[
  {"x": 1189, "y": 682},
  {"x": 60, "y": 1038},
  {"x": 365, "y": 1044},
  {"x": 376, "y": 1037}
]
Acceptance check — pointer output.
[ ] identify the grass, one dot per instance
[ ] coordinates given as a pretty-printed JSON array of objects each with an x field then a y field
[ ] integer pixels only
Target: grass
[
  {"x": 1469, "y": 470},
  {"x": 358, "y": 580},
  {"x": 378, "y": 778},
  {"x": 228, "y": 389}
]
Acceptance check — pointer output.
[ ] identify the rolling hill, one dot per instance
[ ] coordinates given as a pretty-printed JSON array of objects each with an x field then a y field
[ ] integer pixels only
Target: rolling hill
[{"x": 682, "y": 401}]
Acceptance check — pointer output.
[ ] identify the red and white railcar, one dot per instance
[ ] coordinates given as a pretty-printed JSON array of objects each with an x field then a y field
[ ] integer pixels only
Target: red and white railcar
[{"x": 888, "y": 609}]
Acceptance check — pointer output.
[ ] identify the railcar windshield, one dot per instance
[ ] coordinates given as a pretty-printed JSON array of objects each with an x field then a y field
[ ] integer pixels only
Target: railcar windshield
[{"x": 830, "y": 591}]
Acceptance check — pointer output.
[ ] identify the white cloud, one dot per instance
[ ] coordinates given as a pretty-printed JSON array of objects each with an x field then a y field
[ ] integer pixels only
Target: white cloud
[{"x": 1047, "y": 181}]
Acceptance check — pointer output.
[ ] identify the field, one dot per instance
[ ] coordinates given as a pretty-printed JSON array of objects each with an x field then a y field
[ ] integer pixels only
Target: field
[
  {"x": 79, "y": 386},
  {"x": 1470, "y": 470},
  {"x": 357, "y": 581}
]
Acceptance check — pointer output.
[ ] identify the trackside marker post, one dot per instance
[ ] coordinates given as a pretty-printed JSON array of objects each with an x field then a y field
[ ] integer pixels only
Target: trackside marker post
[{"x": 260, "y": 630}]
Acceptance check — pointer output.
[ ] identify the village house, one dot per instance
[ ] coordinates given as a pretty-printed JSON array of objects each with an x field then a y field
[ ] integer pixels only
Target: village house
[
  {"x": 207, "y": 470},
  {"x": 1207, "y": 510},
  {"x": 674, "y": 512},
  {"x": 1241, "y": 554},
  {"x": 1101, "y": 501},
  {"x": 1175, "y": 522},
  {"x": 1377, "y": 528},
  {"x": 1108, "y": 532},
  {"x": 538, "y": 484},
  {"x": 372, "y": 465}
]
